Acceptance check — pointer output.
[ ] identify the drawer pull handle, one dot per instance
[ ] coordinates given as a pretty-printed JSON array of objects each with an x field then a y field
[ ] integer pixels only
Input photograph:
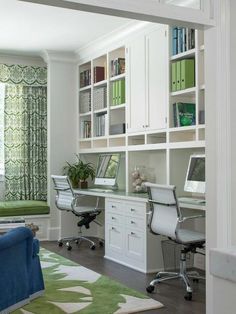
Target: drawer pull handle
[
  {"x": 113, "y": 218},
  {"x": 113, "y": 228},
  {"x": 132, "y": 209},
  {"x": 132, "y": 233},
  {"x": 113, "y": 206},
  {"x": 132, "y": 222}
]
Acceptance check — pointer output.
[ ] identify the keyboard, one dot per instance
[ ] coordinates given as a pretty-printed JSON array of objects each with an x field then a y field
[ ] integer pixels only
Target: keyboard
[{"x": 189, "y": 200}]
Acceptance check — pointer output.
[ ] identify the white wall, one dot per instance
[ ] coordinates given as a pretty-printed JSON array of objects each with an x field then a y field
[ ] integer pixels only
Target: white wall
[{"x": 62, "y": 127}]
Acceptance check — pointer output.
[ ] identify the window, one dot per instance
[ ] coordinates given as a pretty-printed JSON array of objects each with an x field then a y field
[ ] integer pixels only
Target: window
[{"x": 2, "y": 97}]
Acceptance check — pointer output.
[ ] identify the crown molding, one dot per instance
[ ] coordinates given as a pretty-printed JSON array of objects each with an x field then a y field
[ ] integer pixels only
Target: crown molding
[
  {"x": 112, "y": 40},
  {"x": 22, "y": 59},
  {"x": 58, "y": 56}
]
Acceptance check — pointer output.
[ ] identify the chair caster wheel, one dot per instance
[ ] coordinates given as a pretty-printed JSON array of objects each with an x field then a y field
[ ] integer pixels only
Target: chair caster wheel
[
  {"x": 92, "y": 247},
  {"x": 150, "y": 289},
  {"x": 60, "y": 244},
  {"x": 188, "y": 296},
  {"x": 101, "y": 244},
  {"x": 195, "y": 280},
  {"x": 69, "y": 248}
]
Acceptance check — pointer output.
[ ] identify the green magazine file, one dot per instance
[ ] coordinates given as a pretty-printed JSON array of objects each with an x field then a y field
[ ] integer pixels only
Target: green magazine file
[
  {"x": 187, "y": 73},
  {"x": 178, "y": 75},
  {"x": 173, "y": 77}
]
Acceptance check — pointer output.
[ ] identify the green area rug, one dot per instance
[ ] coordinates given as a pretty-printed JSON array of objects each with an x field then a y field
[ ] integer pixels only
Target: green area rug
[{"x": 71, "y": 288}]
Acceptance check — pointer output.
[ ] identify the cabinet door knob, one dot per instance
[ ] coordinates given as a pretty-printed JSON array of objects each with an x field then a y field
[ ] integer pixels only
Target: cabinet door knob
[
  {"x": 132, "y": 222},
  {"x": 132, "y": 209},
  {"x": 132, "y": 233},
  {"x": 113, "y": 206},
  {"x": 113, "y": 218},
  {"x": 113, "y": 228}
]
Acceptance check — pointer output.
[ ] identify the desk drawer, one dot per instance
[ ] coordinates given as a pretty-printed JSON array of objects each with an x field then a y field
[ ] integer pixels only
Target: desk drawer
[
  {"x": 135, "y": 209},
  {"x": 134, "y": 222},
  {"x": 114, "y": 206},
  {"x": 114, "y": 218}
]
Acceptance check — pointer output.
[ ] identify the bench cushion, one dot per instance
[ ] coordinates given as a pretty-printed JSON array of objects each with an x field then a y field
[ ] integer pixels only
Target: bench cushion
[{"x": 22, "y": 208}]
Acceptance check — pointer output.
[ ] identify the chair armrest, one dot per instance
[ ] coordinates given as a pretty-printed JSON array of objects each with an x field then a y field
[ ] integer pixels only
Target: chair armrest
[{"x": 191, "y": 217}]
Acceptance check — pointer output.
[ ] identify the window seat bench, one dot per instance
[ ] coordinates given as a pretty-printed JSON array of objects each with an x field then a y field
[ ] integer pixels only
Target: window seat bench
[
  {"x": 23, "y": 208},
  {"x": 36, "y": 212}
]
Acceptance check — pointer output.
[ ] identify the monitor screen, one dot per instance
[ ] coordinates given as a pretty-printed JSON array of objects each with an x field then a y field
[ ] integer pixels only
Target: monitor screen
[
  {"x": 107, "y": 169},
  {"x": 195, "y": 179}
]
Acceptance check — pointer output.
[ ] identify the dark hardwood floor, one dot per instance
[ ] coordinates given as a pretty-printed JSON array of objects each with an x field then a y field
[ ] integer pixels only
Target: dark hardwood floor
[{"x": 170, "y": 293}]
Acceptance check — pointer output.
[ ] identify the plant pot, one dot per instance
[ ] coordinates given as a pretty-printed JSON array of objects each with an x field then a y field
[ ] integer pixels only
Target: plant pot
[
  {"x": 83, "y": 184},
  {"x": 75, "y": 184}
]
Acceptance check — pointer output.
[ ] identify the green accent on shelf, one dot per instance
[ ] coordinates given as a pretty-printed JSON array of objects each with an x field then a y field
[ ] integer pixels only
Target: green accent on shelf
[
  {"x": 173, "y": 76},
  {"x": 22, "y": 208},
  {"x": 178, "y": 75},
  {"x": 97, "y": 294},
  {"x": 187, "y": 73},
  {"x": 121, "y": 92}
]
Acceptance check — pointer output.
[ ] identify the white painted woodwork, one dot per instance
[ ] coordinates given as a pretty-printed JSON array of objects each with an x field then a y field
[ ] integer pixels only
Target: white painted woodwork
[
  {"x": 150, "y": 10},
  {"x": 127, "y": 238},
  {"x": 136, "y": 85},
  {"x": 157, "y": 76},
  {"x": 147, "y": 81}
]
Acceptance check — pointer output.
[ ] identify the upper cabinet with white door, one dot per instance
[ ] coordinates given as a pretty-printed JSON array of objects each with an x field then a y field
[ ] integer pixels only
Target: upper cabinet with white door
[{"x": 147, "y": 96}]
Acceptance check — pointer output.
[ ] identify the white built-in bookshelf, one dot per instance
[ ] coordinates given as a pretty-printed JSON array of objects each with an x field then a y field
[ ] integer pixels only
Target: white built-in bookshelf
[{"x": 165, "y": 149}]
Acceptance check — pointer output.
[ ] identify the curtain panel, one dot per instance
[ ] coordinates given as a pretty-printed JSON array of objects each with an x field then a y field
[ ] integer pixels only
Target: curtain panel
[{"x": 25, "y": 132}]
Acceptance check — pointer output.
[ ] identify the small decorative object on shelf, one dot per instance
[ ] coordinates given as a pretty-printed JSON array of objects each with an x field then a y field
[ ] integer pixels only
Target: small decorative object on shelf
[{"x": 139, "y": 176}]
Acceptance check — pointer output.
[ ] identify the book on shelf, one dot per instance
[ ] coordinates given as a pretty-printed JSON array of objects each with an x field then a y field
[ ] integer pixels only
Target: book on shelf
[
  {"x": 184, "y": 114},
  {"x": 183, "y": 39},
  {"x": 100, "y": 98},
  {"x": 118, "y": 92},
  {"x": 86, "y": 129},
  {"x": 101, "y": 124},
  {"x": 85, "y": 101},
  {"x": 85, "y": 78},
  {"x": 99, "y": 74},
  {"x": 117, "y": 66}
]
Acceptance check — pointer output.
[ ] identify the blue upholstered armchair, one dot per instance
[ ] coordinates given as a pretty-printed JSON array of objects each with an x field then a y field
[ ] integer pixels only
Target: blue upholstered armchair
[{"x": 21, "y": 277}]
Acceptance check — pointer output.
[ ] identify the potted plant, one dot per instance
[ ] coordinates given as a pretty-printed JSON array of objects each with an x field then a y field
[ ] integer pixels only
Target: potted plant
[{"x": 79, "y": 172}]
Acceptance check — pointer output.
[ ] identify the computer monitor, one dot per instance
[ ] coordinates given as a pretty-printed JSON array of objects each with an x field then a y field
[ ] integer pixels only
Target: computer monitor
[
  {"x": 107, "y": 169},
  {"x": 195, "y": 178}
]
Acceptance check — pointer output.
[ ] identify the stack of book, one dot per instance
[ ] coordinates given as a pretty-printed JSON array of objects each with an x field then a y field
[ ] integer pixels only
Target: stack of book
[
  {"x": 184, "y": 114},
  {"x": 86, "y": 129},
  {"x": 98, "y": 74},
  {"x": 182, "y": 74},
  {"x": 100, "y": 98},
  {"x": 183, "y": 39},
  {"x": 85, "y": 78},
  {"x": 118, "y": 93},
  {"x": 117, "y": 66},
  {"x": 101, "y": 124},
  {"x": 85, "y": 101}
]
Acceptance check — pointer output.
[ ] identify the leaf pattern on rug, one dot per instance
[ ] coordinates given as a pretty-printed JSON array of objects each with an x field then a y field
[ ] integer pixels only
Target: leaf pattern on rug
[{"x": 71, "y": 295}]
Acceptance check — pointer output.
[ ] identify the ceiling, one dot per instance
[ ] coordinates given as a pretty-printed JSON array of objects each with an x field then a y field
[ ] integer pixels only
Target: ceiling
[{"x": 28, "y": 29}]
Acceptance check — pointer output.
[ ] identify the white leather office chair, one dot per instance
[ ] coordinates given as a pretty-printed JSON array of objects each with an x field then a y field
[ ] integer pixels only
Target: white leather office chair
[
  {"x": 166, "y": 219},
  {"x": 67, "y": 200}
]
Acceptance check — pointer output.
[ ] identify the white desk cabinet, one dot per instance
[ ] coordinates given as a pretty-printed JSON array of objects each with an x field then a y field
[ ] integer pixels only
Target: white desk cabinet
[{"x": 128, "y": 240}]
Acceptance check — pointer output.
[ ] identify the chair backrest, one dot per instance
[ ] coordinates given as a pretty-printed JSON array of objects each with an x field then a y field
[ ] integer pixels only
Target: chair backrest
[
  {"x": 164, "y": 207},
  {"x": 65, "y": 196}
]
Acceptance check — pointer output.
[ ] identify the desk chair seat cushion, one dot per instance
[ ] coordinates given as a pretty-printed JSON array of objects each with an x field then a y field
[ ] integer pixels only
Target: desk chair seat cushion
[
  {"x": 185, "y": 236},
  {"x": 85, "y": 210}
]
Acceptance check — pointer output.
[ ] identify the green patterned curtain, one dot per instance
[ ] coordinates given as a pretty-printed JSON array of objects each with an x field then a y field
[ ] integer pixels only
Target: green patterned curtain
[{"x": 25, "y": 132}]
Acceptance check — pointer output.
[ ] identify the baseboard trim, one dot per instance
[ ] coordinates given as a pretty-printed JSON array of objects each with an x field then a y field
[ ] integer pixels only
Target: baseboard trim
[
  {"x": 15, "y": 306},
  {"x": 53, "y": 234}
]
